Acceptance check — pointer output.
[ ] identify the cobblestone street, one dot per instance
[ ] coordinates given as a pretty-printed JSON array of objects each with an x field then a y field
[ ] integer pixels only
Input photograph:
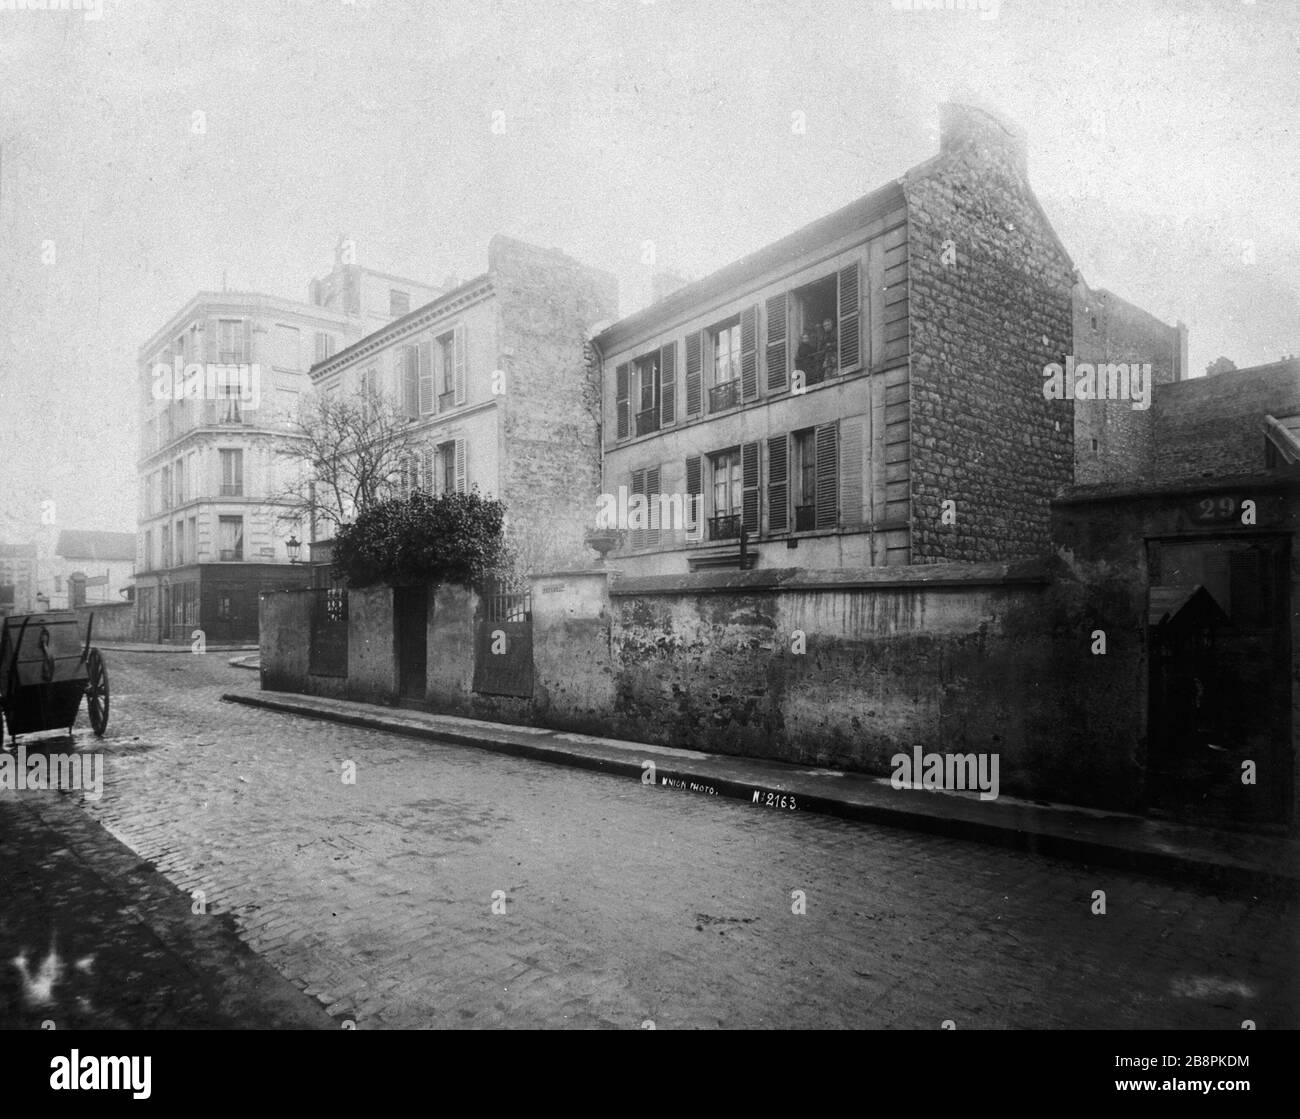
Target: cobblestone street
[{"x": 625, "y": 904}]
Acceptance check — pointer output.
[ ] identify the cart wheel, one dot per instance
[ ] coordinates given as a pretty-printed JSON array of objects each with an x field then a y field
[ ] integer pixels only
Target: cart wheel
[{"x": 97, "y": 693}]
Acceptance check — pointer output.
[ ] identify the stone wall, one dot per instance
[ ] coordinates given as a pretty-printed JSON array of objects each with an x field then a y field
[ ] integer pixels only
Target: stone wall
[
  {"x": 547, "y": 304},
  {"x": 983, "y": 326},
  {"x": 1211, "y": 425},
  {"x": 114, "y": 621}
]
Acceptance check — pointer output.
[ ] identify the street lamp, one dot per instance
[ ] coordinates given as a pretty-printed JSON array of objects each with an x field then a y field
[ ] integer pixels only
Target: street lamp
[{"x": 294, "y": 546}]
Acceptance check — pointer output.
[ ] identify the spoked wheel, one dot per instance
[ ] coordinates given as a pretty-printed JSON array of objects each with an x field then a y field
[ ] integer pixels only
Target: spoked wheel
[{"x": 97, "y": 693}]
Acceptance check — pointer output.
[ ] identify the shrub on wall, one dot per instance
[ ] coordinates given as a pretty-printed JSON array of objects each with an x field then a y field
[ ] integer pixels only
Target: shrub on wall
[{"x": 451, "y": 538}]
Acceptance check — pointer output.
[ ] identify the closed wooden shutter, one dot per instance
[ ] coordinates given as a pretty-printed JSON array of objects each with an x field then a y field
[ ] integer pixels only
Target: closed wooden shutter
[
  {"x": 850, "y": 318},
  {"x": 694, "y": 494},
  {"x": 652, "y": 494},
  {"x": 778, "y": 483},
  {"x": 749, "y": 353},
  {"x": 462, "y": 466},
  {"x": 749, "y": 481},
  {"x": 668, "y": 389},
  {"x": 638, "y": 535},
  {"x": 427, "y": 482},
  {"x": 852, "y": 470},
  {"x": 424, "y": 375},
  {"x": 458, "y": 345},
  {"x": 778, "y": 349},
  {"x": 694, "y": 373},
  {"x": 827, "y": 475},
  {"x": 620, "y": 400}
]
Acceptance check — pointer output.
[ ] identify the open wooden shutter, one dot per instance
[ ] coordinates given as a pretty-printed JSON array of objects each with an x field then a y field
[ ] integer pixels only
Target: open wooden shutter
[
  {"x": 749, "y": 481},
  {"x": 424, "y": 376},
  {"x": 853, "y": 472},
  {"x": 427, "y": 483},
  {"x": 850, "y": 319},
  {"x": 406, "y": 374},
  {"x": 749, "y": 353},
  {"x": 778, "y": 348},
  {"x": 652, "y": 494},
  {"x": 778, "y": 487},
  {"x": 461, "y": 465},
  {"x": 668, "y": 387},
  {"x": 694, "y": 372},
  {"x": 695, "y": 495},
  {"x": 620, "y": 400},
  {"x": 827, "y": 475},
  {"x": 458, "y": 347}
]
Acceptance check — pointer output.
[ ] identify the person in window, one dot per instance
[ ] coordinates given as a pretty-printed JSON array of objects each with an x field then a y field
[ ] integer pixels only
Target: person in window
[
  {"x": 806, "y": 357},
  {"x": 830, "y": 348}
]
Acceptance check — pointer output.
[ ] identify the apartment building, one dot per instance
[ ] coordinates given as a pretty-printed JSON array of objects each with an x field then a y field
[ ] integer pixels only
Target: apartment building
[
  {"x": 498, "y": 382},
  {"x": 212, "y": 532},
  {"x": 376, "y": 298},
  {"x": 868, "y": 391}
]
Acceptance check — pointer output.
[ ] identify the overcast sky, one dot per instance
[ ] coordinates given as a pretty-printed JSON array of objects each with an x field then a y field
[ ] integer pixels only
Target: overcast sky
[{"x": 1163, "y": 146}]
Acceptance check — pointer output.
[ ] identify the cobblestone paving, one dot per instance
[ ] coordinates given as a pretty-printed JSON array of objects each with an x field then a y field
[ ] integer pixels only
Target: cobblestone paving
[{"x": 625, "y": 904}]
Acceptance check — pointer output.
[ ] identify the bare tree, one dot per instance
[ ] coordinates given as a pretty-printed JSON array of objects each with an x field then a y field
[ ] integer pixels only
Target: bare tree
[{"x": 344, "y": 454}]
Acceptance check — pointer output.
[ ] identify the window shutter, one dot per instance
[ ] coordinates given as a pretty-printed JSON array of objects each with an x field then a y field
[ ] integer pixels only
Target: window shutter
[
  {"x": 461, "y": 465},
  {"x": 621, "y": 379},
  {"x": 638, "y": 487},
  {"x": 459, "y": 346},
  {"x": 852, "y": 470},
  {"x": 406, "y": 374},
  {"x": 850, "y": 319},
  {"x": 424, "y": 359},
  {"x": 749, "y": 354},
  {"x": 652, "y": 495},
  {"x": 749, "y": 487},
  {"x": 427, "y": 480},
  {"x": 778, "y": 349},
  {"x": 778, "y": 487},
  {"x": 694, "y": 372},
  {"x": 827, "y": 475},
  {"x": 248, "y": 340},
  {"x": 694, "y": 507},
  {"x": 668, "y": 388}
]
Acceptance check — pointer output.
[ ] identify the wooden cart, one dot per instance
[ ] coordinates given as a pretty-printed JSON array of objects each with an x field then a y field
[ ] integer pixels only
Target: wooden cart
[{"x": 45, "y": 669}]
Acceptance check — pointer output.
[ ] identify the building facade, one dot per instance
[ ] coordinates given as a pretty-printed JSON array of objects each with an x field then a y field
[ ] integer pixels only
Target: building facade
[
  {"x": 212, "y": 529},
  {"x": 869, "y": 391},
  {"x": 497, "y": 380}
]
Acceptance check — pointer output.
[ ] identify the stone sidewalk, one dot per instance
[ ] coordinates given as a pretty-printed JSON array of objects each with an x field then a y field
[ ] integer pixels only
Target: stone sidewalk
[
  {"x": 1234, "y": 861},
  {"x": 92, "y": 937}
]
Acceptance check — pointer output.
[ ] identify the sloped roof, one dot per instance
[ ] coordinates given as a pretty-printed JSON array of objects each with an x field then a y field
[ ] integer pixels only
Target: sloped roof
[{"x": 100, "y": 546}]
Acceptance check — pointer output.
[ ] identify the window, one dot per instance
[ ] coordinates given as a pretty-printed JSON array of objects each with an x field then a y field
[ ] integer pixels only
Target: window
[
  {"x": 446, "y": 456},
  {"x": 232, "y": 474},
  {"x": 646, "y": 391},
  {"x": 816, "y": 320},
  {"x": 444, "y": 356},
  {"x": 288, "y": 351},
  {"x": 726, "y": 352},
  {"x": 194, "y": 540},
  {"x": 399, "y": 303},
  {"x": 178, "y": 479},
  {"x": 225, "y": 606},
  {"x": 234, "y": 341},
  {"x": 165, "y": 538},
  {"x": 148, "y": 549},
  {"x": 728, "y": 495},
  {"x": 165, "y": 487},
  {"x": 181, "y": 557},
  {"x": 804, "y": 479},
  {"x": 324, "y": 345},
  {"x": 230, "y": 538},
  {"x": 408, "y": 379}
]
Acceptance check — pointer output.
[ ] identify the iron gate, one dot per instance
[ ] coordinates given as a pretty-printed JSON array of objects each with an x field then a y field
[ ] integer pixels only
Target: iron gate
[{"x": 503, "y": 645}]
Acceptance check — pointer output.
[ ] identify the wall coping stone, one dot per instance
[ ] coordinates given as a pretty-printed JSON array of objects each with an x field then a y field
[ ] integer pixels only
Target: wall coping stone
[
  {"x": 1282, "y": 480},
  {"x": 920, "y": 575}
]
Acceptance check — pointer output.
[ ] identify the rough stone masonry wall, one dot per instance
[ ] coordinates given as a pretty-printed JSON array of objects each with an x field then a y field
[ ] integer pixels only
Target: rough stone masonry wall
[
  {"x": 550, "y": 457},
  {"x": 981, "y": 333},
  {"x": 1211, "y": 425},
  {"x": 1110, "y": 329}
]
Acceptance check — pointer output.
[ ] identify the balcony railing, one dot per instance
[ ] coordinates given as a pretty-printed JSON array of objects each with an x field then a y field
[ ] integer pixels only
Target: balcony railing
[
  {"x": 647, "y": 421},
  {"x": 805, "y": 518},
  {"x": 725, "y": 395},
  {"x": 232, "y": 489},
  {"x": 446, "y": 400},
  {"x": 725, "y": 527}
]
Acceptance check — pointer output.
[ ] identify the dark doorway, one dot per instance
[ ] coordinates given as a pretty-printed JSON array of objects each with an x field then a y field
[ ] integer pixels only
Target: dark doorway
[
  {"x": 411, "y": 623},
  {"x": 1219, "y": 612}
]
